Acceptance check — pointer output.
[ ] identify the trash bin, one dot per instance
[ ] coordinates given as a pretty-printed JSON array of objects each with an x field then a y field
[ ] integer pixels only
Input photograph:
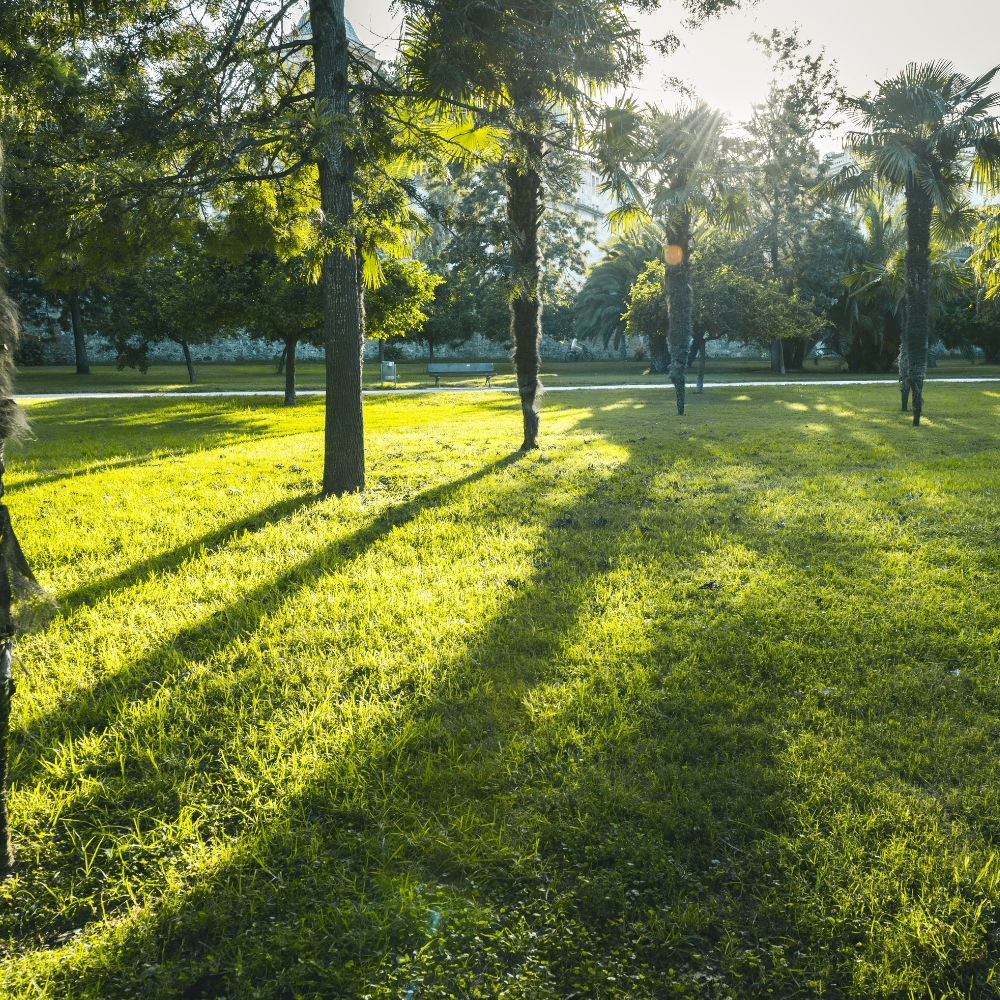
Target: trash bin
[{"x": 388, "y": 372}]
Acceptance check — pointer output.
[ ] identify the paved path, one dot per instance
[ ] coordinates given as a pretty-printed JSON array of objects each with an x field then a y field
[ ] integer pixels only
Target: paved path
[{"x": 453, "y": 389}]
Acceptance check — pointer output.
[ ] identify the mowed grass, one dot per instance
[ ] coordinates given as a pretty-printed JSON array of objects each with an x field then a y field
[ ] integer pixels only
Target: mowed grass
[
  {"x": 701, "y": 707},
  {"x": 262, "y": 376}
]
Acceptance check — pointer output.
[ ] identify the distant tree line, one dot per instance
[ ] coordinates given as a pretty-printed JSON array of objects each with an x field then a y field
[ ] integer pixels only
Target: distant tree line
[{"x": 172, "y": 178}]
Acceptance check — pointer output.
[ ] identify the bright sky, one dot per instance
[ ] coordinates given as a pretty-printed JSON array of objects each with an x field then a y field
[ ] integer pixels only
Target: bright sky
[{"x": 870, "y": 39}]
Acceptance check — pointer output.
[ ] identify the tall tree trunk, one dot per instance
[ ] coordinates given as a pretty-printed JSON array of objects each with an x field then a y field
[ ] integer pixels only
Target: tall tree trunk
[
  {"x": 430, "y": 349},
  {"x": 657, "y": 353},
  {"x": 904, "y": 367},
  {"x": 701, "y": 368},
  {"x": 525, "y": 206},
  {"x": 79, "y": 343},
  {"x": 281, "y": 361},
  {"x": 381, "y": 350},
  {"x": 680, "y": 322},
  {"x": 188, "y": 361},
  {"x": 344, "y": 439},
  {"x": 917, "y": 326},
  {"x": 290, "y": 344}
]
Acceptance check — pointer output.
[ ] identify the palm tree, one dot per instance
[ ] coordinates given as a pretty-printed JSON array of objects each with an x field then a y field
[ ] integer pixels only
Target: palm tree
[
  {"x": 535, "y": 68},
  {"x": 871, "y": 316},
  {"x": 688, "y": 174},
  {"x": 928, "y": 134},
  {"x": 602, "y": 302}
]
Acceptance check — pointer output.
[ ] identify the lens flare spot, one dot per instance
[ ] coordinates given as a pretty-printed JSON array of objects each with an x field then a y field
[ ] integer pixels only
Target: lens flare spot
[{"x": 673, "y": 254}]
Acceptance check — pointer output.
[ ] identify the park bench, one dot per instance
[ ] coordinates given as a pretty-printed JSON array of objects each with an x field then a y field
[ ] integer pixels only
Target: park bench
[{"x": 473, "y": 368}]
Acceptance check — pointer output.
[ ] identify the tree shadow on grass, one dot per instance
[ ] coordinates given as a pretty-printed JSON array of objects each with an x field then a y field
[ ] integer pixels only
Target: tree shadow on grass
[
  {"x": 163, "y": 562},
  {"x": 98, "y": 432},
  {"x": 474, "y": 798},
  {"x": 92, "y": 708}
]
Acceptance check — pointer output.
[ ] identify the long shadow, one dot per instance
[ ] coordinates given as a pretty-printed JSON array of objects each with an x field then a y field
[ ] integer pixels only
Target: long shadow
[
  {"x": 23, "y": 480},
  {"x": 529, "y": 605},
  {"x": 62, "y": 427},
  {"x": 164, "y": 562},
  {"x": 90, "y": 709}
]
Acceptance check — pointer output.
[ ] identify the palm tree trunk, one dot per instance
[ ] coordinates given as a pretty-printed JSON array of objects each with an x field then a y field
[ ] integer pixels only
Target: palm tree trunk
[
  {"x": 904, "y": 377},
  {"x": 344, "y": 439},
  {"x": 79, "y": 343},
  {"x": 917, "y": 327},
  {"x": 680, "y": 322},
  {"x": 904, "y": 368},
  {"x": 290, "y": 344},
  {"x": 525, "y": 206}
]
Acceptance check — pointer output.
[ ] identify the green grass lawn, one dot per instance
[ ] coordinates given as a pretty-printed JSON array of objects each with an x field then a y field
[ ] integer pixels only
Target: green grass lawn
[
  {"x": 702, "y": 707},
  {"x": 251, "y": 375}
]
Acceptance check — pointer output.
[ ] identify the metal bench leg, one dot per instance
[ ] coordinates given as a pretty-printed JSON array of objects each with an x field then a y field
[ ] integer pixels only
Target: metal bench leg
[{"x": 437, "y": 381}]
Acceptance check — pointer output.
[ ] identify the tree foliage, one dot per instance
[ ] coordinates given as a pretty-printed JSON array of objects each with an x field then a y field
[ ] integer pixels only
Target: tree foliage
[{"x": 604, "y": 299}]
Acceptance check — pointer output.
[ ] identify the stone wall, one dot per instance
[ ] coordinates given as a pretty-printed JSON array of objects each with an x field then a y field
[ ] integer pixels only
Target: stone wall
[{"x": 58, "y": 350}]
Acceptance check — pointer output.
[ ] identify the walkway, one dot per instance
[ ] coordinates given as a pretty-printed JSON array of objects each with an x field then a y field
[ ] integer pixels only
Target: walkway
[{"x": 453, "y": 389}]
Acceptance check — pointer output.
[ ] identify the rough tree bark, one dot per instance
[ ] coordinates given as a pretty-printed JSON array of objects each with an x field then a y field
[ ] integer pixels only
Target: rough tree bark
[
  {"x": 680, "y": 319},
  {"x": 344, "y": 439},
  {"x": 79, "y": 343},
  {"x": 904, "y": 368},
  {"x": 290, "y": 345},
  {"x": 916, "y": 331},
  {"x": 525, "y": 205},
  {"x": 281, "y": 361},
  {"x": 777, "y": 351}
]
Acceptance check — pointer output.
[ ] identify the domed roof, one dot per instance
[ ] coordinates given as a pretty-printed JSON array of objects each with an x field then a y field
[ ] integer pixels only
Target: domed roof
[
  {"x": 304, "y": 29},
  {"x": 357, "y": 47}
]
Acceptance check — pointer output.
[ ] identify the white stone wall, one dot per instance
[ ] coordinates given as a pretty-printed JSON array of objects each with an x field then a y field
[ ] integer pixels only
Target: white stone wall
[{"x": 58, "y": 350}]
